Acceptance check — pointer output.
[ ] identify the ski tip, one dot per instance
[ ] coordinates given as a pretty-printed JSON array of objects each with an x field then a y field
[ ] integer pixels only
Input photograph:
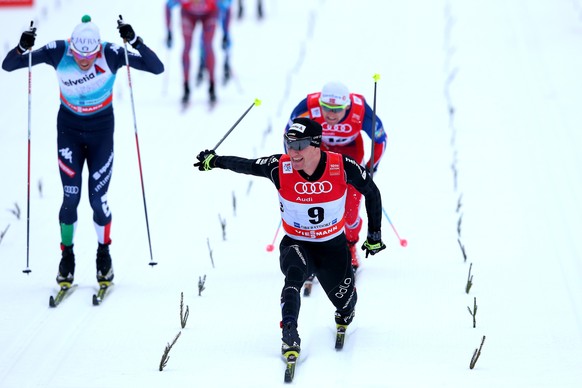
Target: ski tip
[{"x": 52, "y": 301}]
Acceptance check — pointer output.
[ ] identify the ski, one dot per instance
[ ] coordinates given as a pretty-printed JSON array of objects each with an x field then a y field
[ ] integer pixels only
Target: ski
[
  {"x": 65, "y": 291},
  {"x": 291, "y": 360},
  {"x": 101, "y": 293},
  {"x": 340, "y": 336}
]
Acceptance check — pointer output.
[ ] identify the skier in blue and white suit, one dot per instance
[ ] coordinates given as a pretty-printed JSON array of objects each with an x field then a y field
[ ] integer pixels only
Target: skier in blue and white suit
[{"x": 86, "y": 69}]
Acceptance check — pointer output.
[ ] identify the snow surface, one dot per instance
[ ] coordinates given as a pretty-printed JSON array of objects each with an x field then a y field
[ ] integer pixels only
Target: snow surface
[{"x": 481, "y": 101}]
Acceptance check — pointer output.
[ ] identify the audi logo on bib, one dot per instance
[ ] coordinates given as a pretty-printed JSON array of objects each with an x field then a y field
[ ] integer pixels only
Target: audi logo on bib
[
  {"x": 313, "y": 187},
  {"x": 336, "y": 128}
]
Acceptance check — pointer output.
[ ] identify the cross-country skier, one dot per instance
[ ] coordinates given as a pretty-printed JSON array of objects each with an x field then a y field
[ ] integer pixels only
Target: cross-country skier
[
  {"x": 224, "y": 15},
  {"x": 259, "y": 9},
  {"x": 312, "y": 185},
  {"x": 86, "y": 69},
  {"x": 344, "y": 116},
  {"x": 192, "y": 12}
]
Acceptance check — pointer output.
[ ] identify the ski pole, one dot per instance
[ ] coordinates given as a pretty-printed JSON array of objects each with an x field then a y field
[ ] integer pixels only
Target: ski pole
[
  {"x": 376, "y": 78},
  {"x": 271, "y": 246},
  {"x": 403, "y": 241},
  {"x": 257, "y": 102},
  {"x": 152, "y": 262},
  {"x": 27, "y": 270}
]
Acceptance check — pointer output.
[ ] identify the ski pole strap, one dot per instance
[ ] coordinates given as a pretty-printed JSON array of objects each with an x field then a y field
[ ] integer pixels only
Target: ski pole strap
[{"x": 208, "y": 163}]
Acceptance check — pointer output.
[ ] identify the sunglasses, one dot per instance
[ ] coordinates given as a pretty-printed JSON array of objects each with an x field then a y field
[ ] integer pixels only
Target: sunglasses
[
  {"x": 332, "y": 108},
  {"x": 297, "y": 144},
  {"x": 85, "y": 56}
]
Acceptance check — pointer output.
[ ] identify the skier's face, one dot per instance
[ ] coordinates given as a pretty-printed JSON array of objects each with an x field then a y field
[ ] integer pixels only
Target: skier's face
[
  {"x": 85, "y": 63},
  {"x": 305, "y": 159}
]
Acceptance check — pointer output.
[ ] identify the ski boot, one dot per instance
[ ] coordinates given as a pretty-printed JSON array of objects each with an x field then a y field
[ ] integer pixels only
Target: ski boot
[
  {"x": 341, "y": 324},
  {"x": 344, "y": 318},
  {"x": 104, "y": 267},
  {"x": 290, "y": 348},
  {"x": 291, "y": 341},
  {"x": 260, "y": 12},
  {"x": 186, "y": 96},
  {"x": 65, "y": 276},
  {"x": 211, "y": 93}
]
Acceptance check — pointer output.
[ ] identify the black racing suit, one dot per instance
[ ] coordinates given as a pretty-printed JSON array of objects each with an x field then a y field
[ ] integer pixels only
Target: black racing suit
[{"x": 329, "y": 260}]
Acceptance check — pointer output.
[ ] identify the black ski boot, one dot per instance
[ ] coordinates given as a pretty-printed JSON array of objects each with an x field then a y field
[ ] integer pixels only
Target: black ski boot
[
  {"x": 186, "y": 96},
  {"x": 344, "y": 318},
  {"x": 211, "y": 93},
  {"x": 260, "y": 12},
  {"x": 66, "y": 274},
  {"x": 291, "y": 340},
  {"x": 104, "y": 267},
  {"x": 341, "y": 325}
]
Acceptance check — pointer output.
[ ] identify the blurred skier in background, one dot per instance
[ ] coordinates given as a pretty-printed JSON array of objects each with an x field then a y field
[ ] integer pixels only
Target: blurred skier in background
[
  {"x": 192, "y": 12},
  {"x": 224, "y": 14},
  {"x": 86, "y": 69},
  {"x": 241, "y": 9},
  {"x": 344, "y": 116}
]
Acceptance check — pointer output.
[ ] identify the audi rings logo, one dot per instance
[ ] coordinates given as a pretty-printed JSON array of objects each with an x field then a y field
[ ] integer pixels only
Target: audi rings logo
[
  {"x": 313, "y": 187},
  {"x": 71, "y": 189},
  {"x": 336, "y": 128}
]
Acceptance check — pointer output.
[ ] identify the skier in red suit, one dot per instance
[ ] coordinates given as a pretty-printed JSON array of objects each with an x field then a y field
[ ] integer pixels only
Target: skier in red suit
[{"x": 343, "y": 117}]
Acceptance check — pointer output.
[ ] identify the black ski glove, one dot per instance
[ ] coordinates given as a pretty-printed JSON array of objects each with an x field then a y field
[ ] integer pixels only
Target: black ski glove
[
  {"x": 27, "y": 39},
  {"x": 206, "y": 160},
  {"x": 169, "y": 39},
  {"x": 373, "y": 243},
  {"x": 128, "y": 34}
]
